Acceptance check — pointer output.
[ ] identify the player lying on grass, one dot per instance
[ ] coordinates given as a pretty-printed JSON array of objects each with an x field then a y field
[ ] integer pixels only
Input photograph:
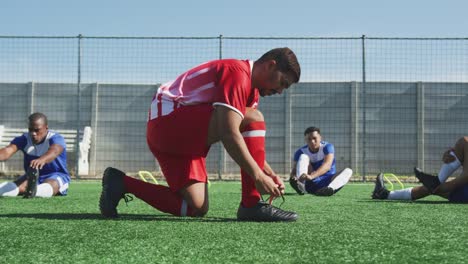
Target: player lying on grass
[
  {"x": 45, "y": 162},
  {"x": 215, "y": 101},
  {"x": 314, "y": 169},
  {"x": 455, "y": 190}
]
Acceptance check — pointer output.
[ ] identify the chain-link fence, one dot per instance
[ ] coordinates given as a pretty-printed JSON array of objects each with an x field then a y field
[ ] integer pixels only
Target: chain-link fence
[{"x": 387, "y": 104}]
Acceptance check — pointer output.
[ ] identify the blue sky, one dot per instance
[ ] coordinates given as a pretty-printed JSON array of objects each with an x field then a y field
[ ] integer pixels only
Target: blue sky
[{"x": 292, "y": 18}]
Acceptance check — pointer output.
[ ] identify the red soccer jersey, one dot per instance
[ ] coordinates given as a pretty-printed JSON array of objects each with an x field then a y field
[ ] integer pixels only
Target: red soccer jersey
[{"x": 220, "y": 82}]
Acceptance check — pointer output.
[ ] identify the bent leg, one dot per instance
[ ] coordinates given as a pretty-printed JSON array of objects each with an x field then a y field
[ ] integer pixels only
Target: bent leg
[
  {"x": 187, "y": 193},
  {"x": 340, "y": 179},
  {"x": 253, "y": 130},
  {"x": 9, "y": 189},
  {"x": 302, "y": 165}
]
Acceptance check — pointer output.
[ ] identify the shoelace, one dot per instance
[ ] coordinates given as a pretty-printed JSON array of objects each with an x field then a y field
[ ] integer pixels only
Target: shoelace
[
  {"x": 127, "y": 198},
  {"x": 271, "y": 198}
]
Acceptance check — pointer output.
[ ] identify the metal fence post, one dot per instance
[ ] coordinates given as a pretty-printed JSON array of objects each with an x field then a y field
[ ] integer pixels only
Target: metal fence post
[
  {"x": 364, "y": 108},
  {"x": 287, "y": 131},
  {"x": 420, "y": 120},
  {"x": 78, "y": 102},
  {"x": 355, "y": 127},
  {"x": 222, "y": 153}
]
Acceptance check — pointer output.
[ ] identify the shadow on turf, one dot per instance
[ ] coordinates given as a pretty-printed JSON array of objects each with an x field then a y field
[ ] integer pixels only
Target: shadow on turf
[
  {"x": 123, "y": 217},
  {"x": 404, "y": 201}
]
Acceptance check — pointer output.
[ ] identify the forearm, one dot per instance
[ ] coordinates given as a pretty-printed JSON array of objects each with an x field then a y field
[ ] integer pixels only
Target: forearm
[
  {"x": 7, "y": 152},
  {"x": 51, "y": 154},
  {"x": 319, "y": 172},
  {"x": 267, "y": 169}
]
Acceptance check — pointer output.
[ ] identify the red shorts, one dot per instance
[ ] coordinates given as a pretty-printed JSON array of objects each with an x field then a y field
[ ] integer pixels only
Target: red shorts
[{"x": 178, "y": 141}]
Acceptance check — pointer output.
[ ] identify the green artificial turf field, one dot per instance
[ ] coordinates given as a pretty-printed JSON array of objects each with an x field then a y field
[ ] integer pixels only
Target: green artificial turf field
[{"x": 348, "y": 227}]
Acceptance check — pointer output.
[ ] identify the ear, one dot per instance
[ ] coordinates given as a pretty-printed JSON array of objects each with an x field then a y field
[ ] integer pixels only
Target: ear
[{"x": 271, "y": 63}]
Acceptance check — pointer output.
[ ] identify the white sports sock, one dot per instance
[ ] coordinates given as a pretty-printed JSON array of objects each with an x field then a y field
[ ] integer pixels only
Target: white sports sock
[
  {"x": 302, "y": 166},
  {"x": 341, "y": 179},
  {"x": 404, "y": 194},
  {"x": 44, "y": 190},
  {"x": 8, "y": 189},
  {"x": 449, "y": 168}
]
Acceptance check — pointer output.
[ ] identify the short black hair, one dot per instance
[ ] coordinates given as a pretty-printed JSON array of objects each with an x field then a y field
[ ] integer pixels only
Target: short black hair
[
  {"x": 286, "y": 59},
  {"x": 37, "y": 116},
  {"x": 311, "y": 130}
]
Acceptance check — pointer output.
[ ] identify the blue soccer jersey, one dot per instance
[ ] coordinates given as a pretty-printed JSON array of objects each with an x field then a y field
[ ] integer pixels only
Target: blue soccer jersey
[
  {"x": 317, "y": 158},
  {"x": 32, "y": 152}
]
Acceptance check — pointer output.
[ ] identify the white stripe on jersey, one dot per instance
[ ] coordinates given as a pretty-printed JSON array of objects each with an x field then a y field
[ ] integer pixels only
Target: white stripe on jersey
[
  {"x": 195, "y": 74},
  {"x": 254, "y": 133},
  {"x": 199, "y": 89},
  {"x": 230, "y": 107}
]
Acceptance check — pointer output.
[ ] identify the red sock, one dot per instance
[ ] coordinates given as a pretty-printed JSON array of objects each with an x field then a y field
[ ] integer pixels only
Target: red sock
[
  {"x": 158, "y": 196},
  {"x": 254, "y": 137}
]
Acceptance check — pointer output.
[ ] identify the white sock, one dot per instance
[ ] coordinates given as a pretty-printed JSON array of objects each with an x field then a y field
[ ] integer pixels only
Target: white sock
[
  {"x": 44, "y": 190},
  {"x": 449, "y": 168},
  {"x": 302, "y": 166},
  {"x": 404, "y": 194},
  {"x": 8, "y": 189},
  {"x": 341, "y": 179}
]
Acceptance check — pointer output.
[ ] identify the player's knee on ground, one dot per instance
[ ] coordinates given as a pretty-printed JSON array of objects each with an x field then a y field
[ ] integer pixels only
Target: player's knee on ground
[{"x": 200, "y": 211}]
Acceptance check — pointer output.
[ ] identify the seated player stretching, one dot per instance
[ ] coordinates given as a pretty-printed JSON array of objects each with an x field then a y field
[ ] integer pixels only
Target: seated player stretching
[
  {"x": 314, "y": 169},
  {"x": 45, "y": 162},
  {"x": 455, "y": 190}
]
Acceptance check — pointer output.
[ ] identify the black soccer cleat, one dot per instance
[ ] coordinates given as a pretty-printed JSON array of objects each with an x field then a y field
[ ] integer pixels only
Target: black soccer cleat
[
  {"x": 294, "y": 185},
  {"x": 325, "y": 191},
  {"x": 264, "y": 212},
  {"x": 113, "y": 190},
  {"x": 431, "y": 182},
  {"x": 31, "y": 177},
  {"x": 380, "y": 192}
]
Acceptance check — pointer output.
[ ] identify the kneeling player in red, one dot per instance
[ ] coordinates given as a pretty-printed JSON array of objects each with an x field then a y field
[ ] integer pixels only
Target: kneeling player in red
[{"x": 215, "y": 101}]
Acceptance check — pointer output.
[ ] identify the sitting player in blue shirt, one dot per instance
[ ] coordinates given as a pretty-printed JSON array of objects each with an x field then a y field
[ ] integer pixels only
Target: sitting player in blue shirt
[
  {"x": 314, "y": 169},
  {"x": 45, "y": 162}
]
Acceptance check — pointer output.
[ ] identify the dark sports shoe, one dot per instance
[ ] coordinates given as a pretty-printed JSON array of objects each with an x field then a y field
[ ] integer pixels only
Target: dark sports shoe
[
  {"x": 431, "y": 182},
  {"x": 265, "y": 212},
  {"x": 325, "y": 191},
  {"x": 380, "y": 192},
  {"x": 31, "y": 177},
  {"x": 294, "y": 185},
  {"x": 113, "y": 190}
]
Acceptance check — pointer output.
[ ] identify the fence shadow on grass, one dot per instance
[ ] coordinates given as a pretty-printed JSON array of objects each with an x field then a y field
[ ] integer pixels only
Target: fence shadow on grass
[{"x": 123, "y": 217}]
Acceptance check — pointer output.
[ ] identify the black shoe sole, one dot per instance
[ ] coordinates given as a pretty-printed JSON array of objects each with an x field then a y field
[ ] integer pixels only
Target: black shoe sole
[
  {"x": 31, "y": 189},
  {"x": 293, "y": 184},
  {"x": 104, "y": 199}
]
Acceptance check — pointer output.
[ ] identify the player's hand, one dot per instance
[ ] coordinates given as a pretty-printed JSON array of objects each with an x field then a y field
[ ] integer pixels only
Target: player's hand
[
  {"x": 304, "y": 177},
  {"x": 447, "y": 157},
  {"x": 277, "y": 179},
  {"x": 37, "y": 164},
  {"x": 266, "y": 185}
]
